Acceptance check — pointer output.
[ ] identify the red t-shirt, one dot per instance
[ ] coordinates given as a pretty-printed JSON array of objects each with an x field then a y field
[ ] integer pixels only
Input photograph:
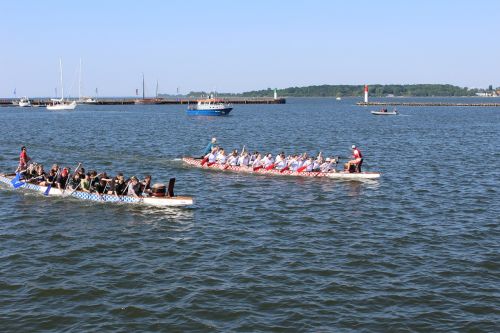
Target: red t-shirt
[
  {"x": 23, "y": 157},
  {"x": 356, "y": 153}
]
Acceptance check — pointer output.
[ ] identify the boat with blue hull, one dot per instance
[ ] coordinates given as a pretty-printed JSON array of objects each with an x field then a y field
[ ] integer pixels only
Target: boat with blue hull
[{"x": 209, "y": 107}]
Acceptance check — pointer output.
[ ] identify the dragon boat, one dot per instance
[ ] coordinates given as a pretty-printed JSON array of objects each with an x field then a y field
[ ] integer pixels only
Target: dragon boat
[
  {"x": 158, "y": 201},
  {"x": 197, "y": 162}
]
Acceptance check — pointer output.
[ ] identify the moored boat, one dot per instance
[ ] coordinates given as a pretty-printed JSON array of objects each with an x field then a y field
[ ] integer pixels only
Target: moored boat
[
  {"x": 58, "y": 104},
  {"x": 158, "y": 201},
  {"x": 196, "y": 162},
  {"x": 24, "y": 102},
  {"x": 209, "y": 107},
  {"x": 384, "y": 112}
]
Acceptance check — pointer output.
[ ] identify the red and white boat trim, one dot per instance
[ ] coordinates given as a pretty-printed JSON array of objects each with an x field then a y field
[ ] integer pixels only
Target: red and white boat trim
[{"x": 196, "y": 162}]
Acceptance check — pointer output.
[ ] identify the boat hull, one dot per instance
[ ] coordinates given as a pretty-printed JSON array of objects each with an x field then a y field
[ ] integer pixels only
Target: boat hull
[
  {"x": 61, "y": 107},
  {"x": 177, "y": 201},
  {"x": 214, "y": 112},
  {"x": 275, "y": 172},
  {"x": 380, "y": 113}
]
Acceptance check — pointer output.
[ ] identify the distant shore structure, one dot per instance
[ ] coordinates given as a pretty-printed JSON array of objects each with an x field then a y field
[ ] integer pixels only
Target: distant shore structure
[
  {"x": 366, "y": 93},
  {"x": 275, "y": 94}
]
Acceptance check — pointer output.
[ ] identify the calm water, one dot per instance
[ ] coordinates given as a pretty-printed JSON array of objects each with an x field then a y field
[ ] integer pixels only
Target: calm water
[{"x": 417, "y": 250}]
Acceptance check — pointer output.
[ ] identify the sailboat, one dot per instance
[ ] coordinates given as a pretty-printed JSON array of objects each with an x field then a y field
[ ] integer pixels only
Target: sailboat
[
  {"x": 82, "y": 99},
  {"x": 60, "y": 104}
]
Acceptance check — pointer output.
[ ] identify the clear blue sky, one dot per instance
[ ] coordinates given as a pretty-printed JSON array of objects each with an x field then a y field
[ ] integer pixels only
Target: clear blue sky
[{"x": 236, "y": 46}]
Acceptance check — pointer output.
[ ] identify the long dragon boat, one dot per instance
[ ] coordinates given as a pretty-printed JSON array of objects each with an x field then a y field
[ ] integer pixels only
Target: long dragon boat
[
  {"x": 163, "y": 201},
  {"x": 196, "y": 162}
]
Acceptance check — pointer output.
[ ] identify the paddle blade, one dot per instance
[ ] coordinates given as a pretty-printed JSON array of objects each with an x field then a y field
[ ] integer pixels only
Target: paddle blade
[
  {"x": 302, "y": 168},
  {"x": 47, "y": 190},
  {"x": 270, "y": 167},
  {"x": 203, "y": 161},
  {"x": 258, "y": 168},
  {"x": 226, "y": 166},
  {"x": 285, "y": 168},
  {"x": 16, "y": 181}
]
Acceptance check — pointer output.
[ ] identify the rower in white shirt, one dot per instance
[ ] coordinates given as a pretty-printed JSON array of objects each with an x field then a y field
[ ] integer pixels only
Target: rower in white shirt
[
  {"x": 294, "y": 163},
  {"x": 309, "y": 164},
  {"x": 221, "y": 157},
  {"x": 280, "y": 161},
  {"x": 267, "y": 160},
  {"x": 233, "y": 158},
  {"x": 212, "y": 157},
  {"x": 244, "y": 159},
  {"x": 257, "y": 163}
]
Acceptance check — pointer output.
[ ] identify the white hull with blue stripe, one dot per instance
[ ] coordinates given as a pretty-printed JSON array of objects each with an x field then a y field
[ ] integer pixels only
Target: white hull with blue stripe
[{"x": 149, "y": 201}]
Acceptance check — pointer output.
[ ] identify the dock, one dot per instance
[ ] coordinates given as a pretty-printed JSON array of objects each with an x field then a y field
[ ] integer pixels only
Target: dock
[
  {"x": 426, "y": 104},
  {"x": 154, "y": 101}
]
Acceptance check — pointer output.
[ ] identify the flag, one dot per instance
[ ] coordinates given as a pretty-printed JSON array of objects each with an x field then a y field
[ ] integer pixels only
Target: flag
[
  {"x": 16, "y": 182},
  {"x": 96, "y": 91},
  {"x": 14, "y": 91},
  {"x": 137, "y": 92}
]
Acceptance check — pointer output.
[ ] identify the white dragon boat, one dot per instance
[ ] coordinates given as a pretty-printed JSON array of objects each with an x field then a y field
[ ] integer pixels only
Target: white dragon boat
[
  {"x": 148, "y": 201},
  {"x": 196, "y": 162}
]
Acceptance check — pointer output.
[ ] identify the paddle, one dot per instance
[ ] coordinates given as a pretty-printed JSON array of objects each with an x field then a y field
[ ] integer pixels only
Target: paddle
[
  {"x": 204, "y": 160},
  {"x": 71, "y": 176},
  {"x": 270, "y": 167},
  {"x": 52, "y": 182},
  {"x": 285, "y": 168},
  {"x": 258, "y": 168},
  {"x": 302, "y": 168}
]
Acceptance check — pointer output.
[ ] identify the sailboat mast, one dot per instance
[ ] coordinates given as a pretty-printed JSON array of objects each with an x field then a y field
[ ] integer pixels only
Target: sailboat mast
[
  {"x": 142, "y": 85},
  {"x": 62, "y": 86},
  {"x": 80, "y": 82}
]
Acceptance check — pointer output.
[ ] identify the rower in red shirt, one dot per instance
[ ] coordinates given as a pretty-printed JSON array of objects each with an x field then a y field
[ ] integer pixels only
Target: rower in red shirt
[
  {"x": 354, "y": 165},
  {"x": 23, "y": 160}
]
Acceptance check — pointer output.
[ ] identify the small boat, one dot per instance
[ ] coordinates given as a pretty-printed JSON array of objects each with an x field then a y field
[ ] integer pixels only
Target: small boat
[
  {"x": 384, "y": 112},
  {"x": 158, "y": 201},
  {"x": 60, "y": 104},
  {"x": 338, "y": 98},
  {"x": 209, "y": 107},
  {"x": 87, "y": 100},
  {"x": 196, "y": 162},
  {"x": 24, "y": 102}
]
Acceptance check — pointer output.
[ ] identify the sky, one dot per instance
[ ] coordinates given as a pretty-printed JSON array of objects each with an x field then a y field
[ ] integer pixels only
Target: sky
[{"x": 236, "y": 46}]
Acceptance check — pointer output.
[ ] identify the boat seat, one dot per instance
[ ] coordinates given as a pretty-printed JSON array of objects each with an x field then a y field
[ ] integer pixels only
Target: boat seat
[{"x": 170, "y": 190}]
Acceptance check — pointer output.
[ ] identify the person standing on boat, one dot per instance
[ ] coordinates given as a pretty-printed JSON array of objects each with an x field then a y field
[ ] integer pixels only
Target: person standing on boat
[
  {"x": 354, "y": 165},
  {"x": 210, "y": 146},
  {"x": 23, "y": 159}
]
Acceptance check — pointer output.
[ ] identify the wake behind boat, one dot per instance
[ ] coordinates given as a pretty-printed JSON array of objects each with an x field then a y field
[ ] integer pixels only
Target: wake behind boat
[{"x": 197, "y": 162}]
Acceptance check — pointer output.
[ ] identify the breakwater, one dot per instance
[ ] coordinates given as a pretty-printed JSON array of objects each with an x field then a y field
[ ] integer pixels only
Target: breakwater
[
  {"x": 426, "y": 104},
  {"x": 130, "y": 101}
]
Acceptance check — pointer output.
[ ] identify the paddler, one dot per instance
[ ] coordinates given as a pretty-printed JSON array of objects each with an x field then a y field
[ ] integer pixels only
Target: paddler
[
  {"x": 354, "y": 165},
  {"x": 23, "y": 159},
  {"x": 210, "y": 147}
]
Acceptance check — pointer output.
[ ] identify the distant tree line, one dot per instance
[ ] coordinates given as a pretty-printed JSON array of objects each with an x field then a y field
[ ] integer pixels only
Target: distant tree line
[{"x": 377, "y": 90}]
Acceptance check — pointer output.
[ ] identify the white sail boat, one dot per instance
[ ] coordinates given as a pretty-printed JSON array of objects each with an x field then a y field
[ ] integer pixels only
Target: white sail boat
[
  {"x": 83, "y": 99},
  {"x": 60, "y": 104}
]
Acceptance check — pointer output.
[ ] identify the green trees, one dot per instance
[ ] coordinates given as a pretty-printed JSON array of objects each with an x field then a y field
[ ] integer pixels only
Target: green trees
[{"x": 376, "y": 90}]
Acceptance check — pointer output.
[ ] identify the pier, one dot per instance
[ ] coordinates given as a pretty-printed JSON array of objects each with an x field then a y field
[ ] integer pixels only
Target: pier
[
  {"x": 154, "y": 101},
  {"x": 425, "y": 104}
]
